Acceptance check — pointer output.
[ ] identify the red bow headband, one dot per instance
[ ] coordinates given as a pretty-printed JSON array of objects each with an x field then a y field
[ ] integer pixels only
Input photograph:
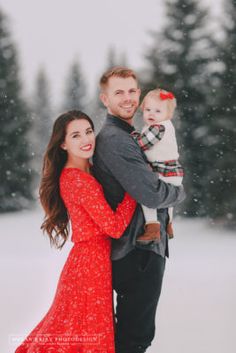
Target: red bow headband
[{"x": 167, "y": 95}]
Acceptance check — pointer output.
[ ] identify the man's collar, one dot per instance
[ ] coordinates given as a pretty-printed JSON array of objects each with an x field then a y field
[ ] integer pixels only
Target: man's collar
[{"x": 114, "y": 120}]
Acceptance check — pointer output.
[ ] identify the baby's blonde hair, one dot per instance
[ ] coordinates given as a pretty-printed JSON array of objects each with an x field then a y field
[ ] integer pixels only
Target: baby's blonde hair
[{"x": 155, "y": 94}]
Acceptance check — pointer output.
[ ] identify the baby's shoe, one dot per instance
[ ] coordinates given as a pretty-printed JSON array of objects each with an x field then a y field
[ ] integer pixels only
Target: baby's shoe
[{"x": 152, "y": 233}]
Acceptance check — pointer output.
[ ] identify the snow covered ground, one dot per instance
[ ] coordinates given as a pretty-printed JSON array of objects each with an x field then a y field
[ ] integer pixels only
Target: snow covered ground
[{"x": 197, "y": 309}]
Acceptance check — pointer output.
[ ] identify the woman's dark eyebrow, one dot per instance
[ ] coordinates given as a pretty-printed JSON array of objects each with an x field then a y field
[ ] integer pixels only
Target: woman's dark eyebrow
[
  {"x": 74, "y": 132},
  {"x": 77, "y": 132}
]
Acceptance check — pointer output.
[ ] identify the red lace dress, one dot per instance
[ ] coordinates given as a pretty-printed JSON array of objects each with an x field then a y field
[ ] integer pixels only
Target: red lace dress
[{"x": 80, "y": 319}]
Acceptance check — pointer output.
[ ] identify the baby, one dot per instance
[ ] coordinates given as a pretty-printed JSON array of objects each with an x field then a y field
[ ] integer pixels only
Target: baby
[{"x": 158, "y": 140}]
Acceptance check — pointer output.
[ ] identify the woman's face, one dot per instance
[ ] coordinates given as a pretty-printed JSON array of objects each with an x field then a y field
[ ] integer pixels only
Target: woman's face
[{"x": 79, "y": 140}]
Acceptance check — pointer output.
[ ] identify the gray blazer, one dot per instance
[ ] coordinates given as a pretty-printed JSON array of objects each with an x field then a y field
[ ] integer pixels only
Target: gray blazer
[{"x": 120, "y": 165}]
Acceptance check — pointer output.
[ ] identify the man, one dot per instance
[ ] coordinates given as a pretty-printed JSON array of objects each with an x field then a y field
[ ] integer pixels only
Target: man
[{"x": 120, "y": 165}]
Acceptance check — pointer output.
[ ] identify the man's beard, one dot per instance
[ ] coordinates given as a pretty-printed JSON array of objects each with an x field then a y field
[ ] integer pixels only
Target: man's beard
[
  {"x": 128, "y": 116},
  {"x": 121, "y": 114}
]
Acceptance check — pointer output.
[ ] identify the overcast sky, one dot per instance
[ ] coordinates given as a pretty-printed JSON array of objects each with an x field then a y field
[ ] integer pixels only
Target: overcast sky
[{"x": 53, "y": 32}]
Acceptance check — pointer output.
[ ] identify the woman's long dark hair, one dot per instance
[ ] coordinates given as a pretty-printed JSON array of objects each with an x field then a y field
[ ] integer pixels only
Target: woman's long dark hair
[{"x": 56, "y": 220}]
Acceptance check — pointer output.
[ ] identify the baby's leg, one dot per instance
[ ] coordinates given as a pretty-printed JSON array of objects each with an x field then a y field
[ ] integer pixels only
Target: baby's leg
[
  {"x": 177, "y": 181},
  {"x": 170, "y": 212},
  {"x": 150, "y": 214},
  {"x": 152, "y": 226},
  {"x": 169, "y": 229}
]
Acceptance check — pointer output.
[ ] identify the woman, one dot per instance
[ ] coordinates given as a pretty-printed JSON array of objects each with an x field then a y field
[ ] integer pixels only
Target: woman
[{"x": 80, "y": 319}]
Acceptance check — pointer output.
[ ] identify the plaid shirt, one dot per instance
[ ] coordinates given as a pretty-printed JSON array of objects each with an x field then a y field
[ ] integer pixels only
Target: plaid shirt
[
  {"x": 149, "y": 138},
  {"x": 168, "y": 168}
]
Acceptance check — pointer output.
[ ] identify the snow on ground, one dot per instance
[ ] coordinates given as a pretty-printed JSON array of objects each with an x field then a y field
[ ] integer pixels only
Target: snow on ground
[{"x": 196, "y": 312}]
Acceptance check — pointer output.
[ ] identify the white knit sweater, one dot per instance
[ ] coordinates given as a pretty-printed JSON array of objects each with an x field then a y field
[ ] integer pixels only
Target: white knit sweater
[{"x": 167, "y": 148}]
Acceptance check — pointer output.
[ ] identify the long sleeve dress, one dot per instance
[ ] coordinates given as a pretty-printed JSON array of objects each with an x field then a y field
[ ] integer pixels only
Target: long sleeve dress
[{"x": 80, "y": 319}]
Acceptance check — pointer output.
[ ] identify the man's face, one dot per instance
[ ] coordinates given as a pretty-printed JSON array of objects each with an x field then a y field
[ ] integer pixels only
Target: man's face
[{"x": 121, "y": 97}]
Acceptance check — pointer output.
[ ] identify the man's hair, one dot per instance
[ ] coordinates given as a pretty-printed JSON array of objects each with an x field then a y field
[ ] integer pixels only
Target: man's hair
[
  {"x": 155, "y": 94},
  {"x": 116, "y": 71}
]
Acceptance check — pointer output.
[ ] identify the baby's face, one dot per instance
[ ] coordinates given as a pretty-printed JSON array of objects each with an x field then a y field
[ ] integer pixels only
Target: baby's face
[{"x": 155, "y": 111}]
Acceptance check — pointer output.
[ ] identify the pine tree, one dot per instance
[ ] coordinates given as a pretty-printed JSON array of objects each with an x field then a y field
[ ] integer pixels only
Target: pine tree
[
  {"x": 15, "y": 176},
  {"x": 115, "y": 60},
  {"x": 179, "y": 61},
  {"x": 221, "y": 200},
  {"x": 75, "y": 92},
  {"x": 111, "y": 58},
  {"x": 41, "y": 121}
]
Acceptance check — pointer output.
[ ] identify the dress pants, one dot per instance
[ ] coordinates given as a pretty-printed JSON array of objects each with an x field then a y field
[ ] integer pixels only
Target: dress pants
[{"x": 137, "y": 280}]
